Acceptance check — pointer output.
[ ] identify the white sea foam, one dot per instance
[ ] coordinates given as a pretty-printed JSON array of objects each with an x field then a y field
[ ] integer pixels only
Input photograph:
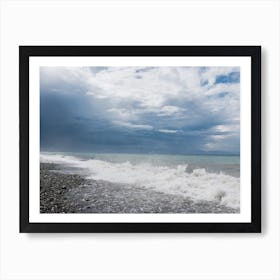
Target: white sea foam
[{"x": 198, "y": 185}]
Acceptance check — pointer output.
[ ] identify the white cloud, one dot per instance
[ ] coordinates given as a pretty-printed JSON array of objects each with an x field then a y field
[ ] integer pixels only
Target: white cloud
[
  {"x": 96, "y": 95},
  {"x": 212, "y": 146},
  {"x": 133, "y": 126},
  {"x": 121, "y": 113},
  {"x": 222, "y": 142},
  {"x": 226, "y": 128},
  {"x": 220, "y": 137},
  {"x": 167, "y": 131},
  {"x": 170, "y": 110}
]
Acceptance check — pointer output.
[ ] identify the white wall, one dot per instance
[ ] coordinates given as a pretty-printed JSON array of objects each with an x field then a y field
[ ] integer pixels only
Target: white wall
[{"x": 139, "y": 256}]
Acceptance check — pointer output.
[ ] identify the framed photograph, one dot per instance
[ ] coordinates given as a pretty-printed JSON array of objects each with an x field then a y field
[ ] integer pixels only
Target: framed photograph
[{"x": 140, "y": 138}]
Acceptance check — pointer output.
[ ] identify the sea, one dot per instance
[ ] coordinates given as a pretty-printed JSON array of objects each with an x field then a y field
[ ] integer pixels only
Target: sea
[{"x": 214, "y": 178}]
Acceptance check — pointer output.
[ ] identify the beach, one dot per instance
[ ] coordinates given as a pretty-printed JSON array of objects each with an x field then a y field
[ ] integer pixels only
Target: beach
[{"x": 64, "y": 190}]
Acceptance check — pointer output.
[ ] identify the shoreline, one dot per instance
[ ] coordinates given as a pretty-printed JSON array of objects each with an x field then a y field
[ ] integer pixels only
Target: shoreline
[{"x": 68, "y": 192}]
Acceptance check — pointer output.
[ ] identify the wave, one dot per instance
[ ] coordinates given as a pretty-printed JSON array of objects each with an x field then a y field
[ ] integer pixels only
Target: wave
[{"x": 197, "y": 185}]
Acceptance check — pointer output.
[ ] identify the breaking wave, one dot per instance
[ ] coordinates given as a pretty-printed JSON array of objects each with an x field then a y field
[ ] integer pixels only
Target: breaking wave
[{"x": 197, "y": 185}]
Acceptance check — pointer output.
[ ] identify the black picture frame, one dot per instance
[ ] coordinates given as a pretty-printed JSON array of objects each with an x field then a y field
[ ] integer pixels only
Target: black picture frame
[{"x": 254, "y": 52}]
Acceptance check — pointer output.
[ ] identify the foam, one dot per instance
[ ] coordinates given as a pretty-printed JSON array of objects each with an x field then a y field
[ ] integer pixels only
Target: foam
[{"x": 197, "y": 185}]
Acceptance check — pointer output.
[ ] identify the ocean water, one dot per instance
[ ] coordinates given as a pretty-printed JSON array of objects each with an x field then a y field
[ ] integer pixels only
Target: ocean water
[{"x": 198, "y": 177}]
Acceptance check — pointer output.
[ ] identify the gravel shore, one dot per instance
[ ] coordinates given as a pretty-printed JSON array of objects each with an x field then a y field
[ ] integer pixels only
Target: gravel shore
[{"x": 64, "y": 192}]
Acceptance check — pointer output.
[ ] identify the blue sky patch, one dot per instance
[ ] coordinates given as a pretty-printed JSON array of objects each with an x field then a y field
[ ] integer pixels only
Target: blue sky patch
[{"x": 233, "y": 77}]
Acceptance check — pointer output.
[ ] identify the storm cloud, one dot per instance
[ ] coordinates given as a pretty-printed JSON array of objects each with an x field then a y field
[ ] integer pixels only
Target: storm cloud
[{"x": 181, "y": 110}]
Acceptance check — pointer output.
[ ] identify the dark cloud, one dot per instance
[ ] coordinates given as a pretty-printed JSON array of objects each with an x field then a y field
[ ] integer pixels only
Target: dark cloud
[{"x": 78, "y": 116}]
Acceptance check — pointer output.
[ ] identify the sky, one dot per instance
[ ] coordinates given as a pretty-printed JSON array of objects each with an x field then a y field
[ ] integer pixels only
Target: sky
[{"x": 161, "y": 110}]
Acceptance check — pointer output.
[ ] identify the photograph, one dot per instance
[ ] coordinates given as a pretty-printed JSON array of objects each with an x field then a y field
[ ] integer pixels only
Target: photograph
[{"x": 139, "y": 139}]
